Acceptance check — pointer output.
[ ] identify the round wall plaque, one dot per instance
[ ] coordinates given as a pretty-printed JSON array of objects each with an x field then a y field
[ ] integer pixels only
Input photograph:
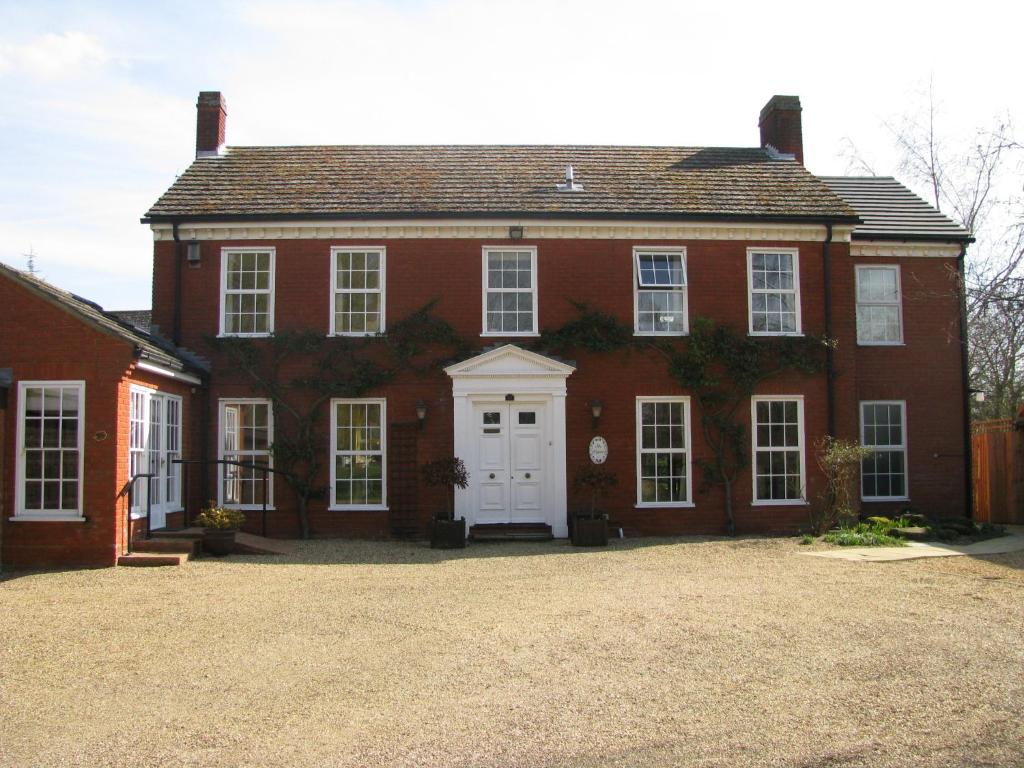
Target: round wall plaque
[{"x": 598, "y": 450}]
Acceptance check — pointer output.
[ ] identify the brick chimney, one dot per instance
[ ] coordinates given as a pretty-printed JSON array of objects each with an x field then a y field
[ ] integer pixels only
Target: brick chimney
[
  {"x": 211, "y": 122},
  {"x": 780, "y": 126}
]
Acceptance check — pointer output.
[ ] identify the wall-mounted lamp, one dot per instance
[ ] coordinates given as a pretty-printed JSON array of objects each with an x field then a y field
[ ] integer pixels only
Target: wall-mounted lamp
[
  {"x": 515, "y": 233},
  {"x": 194, "y": 253},
  {"x": 421, "y": 412},
  {"x": 595, "y": 412}
]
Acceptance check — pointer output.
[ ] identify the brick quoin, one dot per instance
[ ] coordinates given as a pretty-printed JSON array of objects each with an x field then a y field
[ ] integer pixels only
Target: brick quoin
[{"x": 450, "y": 272}]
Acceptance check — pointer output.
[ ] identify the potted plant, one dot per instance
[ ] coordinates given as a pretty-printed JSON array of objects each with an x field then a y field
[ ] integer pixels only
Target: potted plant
[
  {"x": 446, "y": 532},
  {"x": 590, "y": 527},
  {"x": 221, "y": 524}
]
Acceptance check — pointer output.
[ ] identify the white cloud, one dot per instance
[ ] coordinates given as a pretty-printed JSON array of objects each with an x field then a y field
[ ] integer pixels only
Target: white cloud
[{"x": 53, "y": 55}]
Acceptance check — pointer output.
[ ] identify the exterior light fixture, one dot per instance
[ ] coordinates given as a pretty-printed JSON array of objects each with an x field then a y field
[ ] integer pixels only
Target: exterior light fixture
[
  {"x": 421, "y": 412},
  {"x": 515, "y": 233},
  {"x": 595, "y": 412},
  {"x": 194, "y": 253}
]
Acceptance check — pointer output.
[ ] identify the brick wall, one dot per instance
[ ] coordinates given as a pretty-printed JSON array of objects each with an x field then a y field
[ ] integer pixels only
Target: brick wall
[{"x": 600, "y": 273}]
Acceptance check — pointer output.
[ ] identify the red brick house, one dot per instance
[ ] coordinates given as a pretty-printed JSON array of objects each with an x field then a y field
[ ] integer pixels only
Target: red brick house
[
  {"x": 347, "y": 241},
  {"x": 90, "y": 401}
]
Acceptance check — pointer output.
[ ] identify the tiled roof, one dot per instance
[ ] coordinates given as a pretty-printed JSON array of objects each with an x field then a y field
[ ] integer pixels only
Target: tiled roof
[
  {"x": 137, "y": 318},
  {"x": 151, "y": 347},
  {"x": 891, "y": 211},
  {"x": 407, "y": 181}
]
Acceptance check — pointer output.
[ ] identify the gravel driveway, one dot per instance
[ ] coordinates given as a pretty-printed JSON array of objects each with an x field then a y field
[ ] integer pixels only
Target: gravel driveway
[{"x": 660, "y": 652}]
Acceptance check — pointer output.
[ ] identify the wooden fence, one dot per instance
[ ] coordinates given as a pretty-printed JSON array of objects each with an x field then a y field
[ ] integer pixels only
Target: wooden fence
[{"x": 998, "y": 449}]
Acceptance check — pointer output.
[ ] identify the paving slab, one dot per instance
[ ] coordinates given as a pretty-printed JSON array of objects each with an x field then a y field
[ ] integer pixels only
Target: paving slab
[{"x": 1013, "y": 542}]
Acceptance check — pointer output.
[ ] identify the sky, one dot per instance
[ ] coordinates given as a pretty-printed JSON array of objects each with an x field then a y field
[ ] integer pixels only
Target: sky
[{"x": 97, "y": 99}]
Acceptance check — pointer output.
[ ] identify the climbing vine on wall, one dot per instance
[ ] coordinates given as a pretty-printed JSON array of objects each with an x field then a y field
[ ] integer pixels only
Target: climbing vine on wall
[
  {"x": 300, "y": 371},
  {"x": 717, "y": 366}
]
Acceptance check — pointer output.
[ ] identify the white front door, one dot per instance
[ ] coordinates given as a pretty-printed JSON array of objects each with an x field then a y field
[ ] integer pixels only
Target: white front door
[
  {"x": 154, "y": 441},
  {"x": 508, "y": 475}
]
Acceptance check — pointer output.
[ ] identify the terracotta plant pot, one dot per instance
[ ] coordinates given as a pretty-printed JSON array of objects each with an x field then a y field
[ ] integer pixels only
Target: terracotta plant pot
[
  {"x": 448, "y": 534},
  {"x": 218, "y": 541}
]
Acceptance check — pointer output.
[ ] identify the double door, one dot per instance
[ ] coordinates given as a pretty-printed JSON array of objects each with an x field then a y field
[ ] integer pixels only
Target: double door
[
  {"x": 508, "y": 474},
  {"x": 154, "y": 441}
]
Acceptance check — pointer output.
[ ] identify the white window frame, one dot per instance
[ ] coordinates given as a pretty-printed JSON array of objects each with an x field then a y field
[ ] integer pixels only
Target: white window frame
[
  {"x": 221, "y": 403},
  {"x": 335, "y": 290},
  {"x": 888, "y": 448},
  {"x": 639, "y": 251},
  {"x": 270, "y": 290},
  {"x": 59, "y": 515},
  {"x": 795, "y": 253},
  {"x": 383, "y": 403},
  {"x": 534, "y": 290},
  {"x": 640, "y": 503},
  {"x": 801, "y": 436},
  {"x": 898, "y": 304}
]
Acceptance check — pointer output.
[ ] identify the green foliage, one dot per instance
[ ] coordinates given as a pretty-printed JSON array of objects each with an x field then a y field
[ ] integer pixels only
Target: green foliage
[
  {"x": 840, "y": 462},
  {"x": 592, "y": 330},
  {"x": 221, "y": 518},
  {"x": 596, "y": 479},
  {"x": 865, "y": 535},
  {"x": 446, "y": 473},
  {"x": 807, "y": 539},
  {"x": 300, "y": 371}
]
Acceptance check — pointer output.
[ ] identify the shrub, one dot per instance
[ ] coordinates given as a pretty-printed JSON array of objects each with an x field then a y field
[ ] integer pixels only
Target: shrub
[
  {"x": 221, "y": 518},
  {"x": 807, "y": 539},
  {"x": 865, "y": 535},
  {"x": 597, "y": 480},
  {"x": 446, "y": 473},
  {"x": 839, "y": 461}
]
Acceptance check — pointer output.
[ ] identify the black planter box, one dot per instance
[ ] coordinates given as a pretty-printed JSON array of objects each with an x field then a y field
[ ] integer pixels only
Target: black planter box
[
  {"x": 218, "y": 542},
  {"x": 589, "y": 530},
  {"x": 448, "y": 534}
]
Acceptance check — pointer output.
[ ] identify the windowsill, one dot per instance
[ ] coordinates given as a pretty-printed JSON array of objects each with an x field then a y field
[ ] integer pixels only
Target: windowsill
[
  {"x": 359, "y": 508},
  {"x": 368, "y": 335},
  {"x": 766, "y": 333},
  {"x": 47, "y": 519},
  {"x": 781, "y": 503},
  {"x": 883, "y": 499},
  {"x": 666, "y": 505},
  {"x": 661, "y": 333},
  {"x": 510, "y": 335},
  {"x": 249, "y": 507},
  {"x": 245, "y": 335},
  {"x": 881, "y": 344}
]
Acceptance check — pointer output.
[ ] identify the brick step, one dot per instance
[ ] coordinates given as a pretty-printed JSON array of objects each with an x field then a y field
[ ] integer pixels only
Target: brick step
[
  {"x": 167, "y": 545},
  {"x": 511, "y": 532},
  {"x": 151, "y": 559},
  {"x": 185, "y": 533}
]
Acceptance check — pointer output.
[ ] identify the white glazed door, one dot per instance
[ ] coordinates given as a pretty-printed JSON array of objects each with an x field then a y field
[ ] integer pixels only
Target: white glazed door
[
  {"x": 508, "y": 474},
  {"x": 154, "y": 440}
]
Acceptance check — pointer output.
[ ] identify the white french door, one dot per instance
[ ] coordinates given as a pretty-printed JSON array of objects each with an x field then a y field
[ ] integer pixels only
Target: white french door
[
  {"x": 154, "y": 441},
  {"x": 508, "y": 470}
]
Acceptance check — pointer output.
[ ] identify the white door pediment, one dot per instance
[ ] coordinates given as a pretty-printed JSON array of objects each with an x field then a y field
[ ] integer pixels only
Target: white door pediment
[{"x": 509, "y": 360}]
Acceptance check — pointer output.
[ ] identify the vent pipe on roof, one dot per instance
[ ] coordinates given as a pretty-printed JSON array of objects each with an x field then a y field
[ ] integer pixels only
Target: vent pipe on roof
[
  {"x": 781, "y": 129},
  {"x": 570, "y": 185},
  {"x": 211, "y": 124}
]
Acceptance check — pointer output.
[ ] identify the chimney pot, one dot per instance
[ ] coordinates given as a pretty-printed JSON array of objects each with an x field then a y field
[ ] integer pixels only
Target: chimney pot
[
  {"x": 211, "y": 123},
  {"x": 781, "y": 128}
]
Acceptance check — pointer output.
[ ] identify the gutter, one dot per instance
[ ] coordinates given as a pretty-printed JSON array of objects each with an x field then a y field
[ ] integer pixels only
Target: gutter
[
  {"x": 830, "y": 394},
  {"x": 176, "y": 324},
  {"x": 965, "y": 385}
]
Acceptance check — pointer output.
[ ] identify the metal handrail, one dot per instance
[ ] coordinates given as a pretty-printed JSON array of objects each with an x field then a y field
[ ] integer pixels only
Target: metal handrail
[
  {"x": 262, "y": 468},
  {"x": 130, "y": 491}
]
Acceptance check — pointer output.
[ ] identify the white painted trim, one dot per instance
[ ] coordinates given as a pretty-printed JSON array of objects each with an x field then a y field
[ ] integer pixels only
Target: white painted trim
[
  {"x": 224, "y": 252},
  {"x": 488, "y": 378},
  {"x": 46, "y": 519},
  {"x": 168, "y": 372},
  {"x": 534, "y": 290},
  {"x": 857, "y": 302},
  {"x": 801, "y": 435},
  {"x": 672, "y": 251},
  {"x": 687, "y": 448},
  {"x": 795, "y": 253},
  {"x": 497, "y": 228},
  {"x": 905, "y": 448},
  {"x": 333, "y": 283},
  {"x": 383, "y": 403},
  {"x": 221, "y": 402},
  {"x": 898, "y": 250},
  {"x": 19, "y": 463}
]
